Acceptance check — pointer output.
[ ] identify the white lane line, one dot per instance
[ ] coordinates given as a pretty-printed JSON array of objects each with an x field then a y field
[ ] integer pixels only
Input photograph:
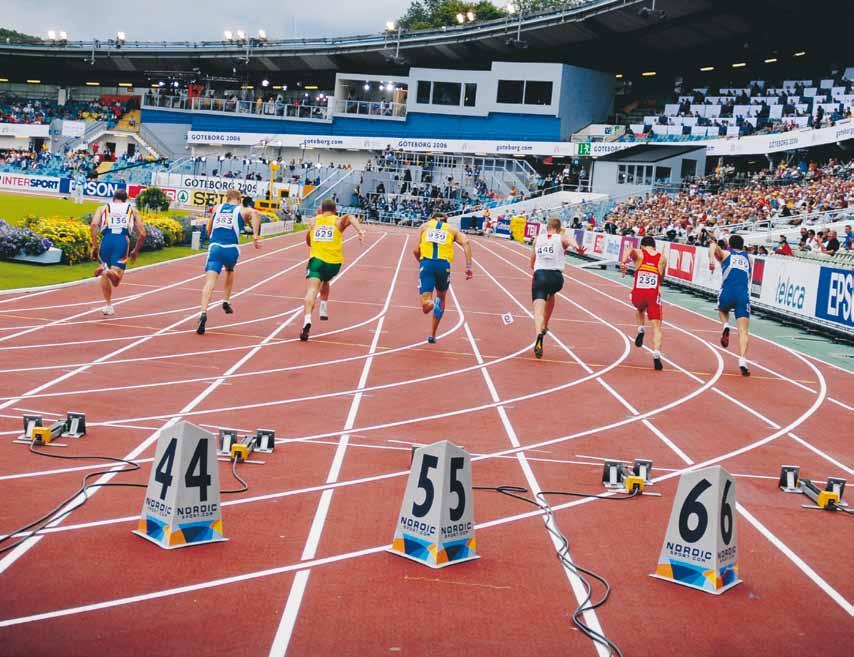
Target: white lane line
[
  {"x": 808, "y": 571},
  {"x": 631, "y": 409},
  {"x": 842, "y": 404},
  {"x": 6, "y": 562},
  {"x": 286, "y": 625},
  {"x": 802, "y": 565},
  {"x": 124, "y": 300},
  {"x": 590, "y": 616}
]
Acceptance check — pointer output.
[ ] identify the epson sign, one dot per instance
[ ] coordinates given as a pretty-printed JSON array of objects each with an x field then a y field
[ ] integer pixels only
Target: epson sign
[{"x": 836, "y": 296}]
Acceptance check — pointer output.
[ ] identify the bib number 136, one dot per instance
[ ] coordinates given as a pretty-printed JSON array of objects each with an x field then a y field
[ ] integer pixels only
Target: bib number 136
[{"x": 430, "y": 462}]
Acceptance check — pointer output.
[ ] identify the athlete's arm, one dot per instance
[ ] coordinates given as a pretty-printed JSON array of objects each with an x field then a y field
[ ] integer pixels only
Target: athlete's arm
[
  {"x": 463, "y": 241},
  {"x": 209, "y": 225},
  {"x": 715, "y": 253},
  {"x": 309, "y": 232},
  {"x": 533, "y": 257},
  {"x": 97, "y": 218},
  {"x": 631, "y": 255},
  {"x": 139, "y": 229},
  {"x": 350, "y": 220},
  {"x": 417, "y": 250},
  {"x": 568, "y": 240},
  {"x": 255, "y": 219},
  {"x": 662, "y": 266}
]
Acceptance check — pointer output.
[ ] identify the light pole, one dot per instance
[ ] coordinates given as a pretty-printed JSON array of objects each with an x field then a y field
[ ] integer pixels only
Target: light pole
[{"x": 392, "y": 28}]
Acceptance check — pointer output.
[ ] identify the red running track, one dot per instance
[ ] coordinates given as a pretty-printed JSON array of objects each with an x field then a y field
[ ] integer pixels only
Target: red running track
[{"x": 305, "y": 572}]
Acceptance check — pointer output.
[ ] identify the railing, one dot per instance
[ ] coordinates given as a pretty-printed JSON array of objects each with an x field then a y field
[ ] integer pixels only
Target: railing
[
  {"x": 162, "y": 149},
  {"x": 271, "y": 109},
  {"x": 380, "y": 109}
]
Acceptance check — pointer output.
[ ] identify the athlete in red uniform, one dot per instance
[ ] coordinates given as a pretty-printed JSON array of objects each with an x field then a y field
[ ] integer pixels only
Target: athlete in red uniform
[{"x": 646, "y": 292}]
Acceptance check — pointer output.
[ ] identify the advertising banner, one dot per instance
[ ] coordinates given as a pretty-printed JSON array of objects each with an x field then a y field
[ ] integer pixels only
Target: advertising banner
[
  {"x": 97, "y": 188},
  {"x": 836, "y": 296},
  {"x": 24, "y": 130},
  {"x": 135, "y": 190},
  {"x": 24, "y": 182},
  {"x": 790, "y": 285},
  {"x": 502, "y": 227},
  {"x": 681, "y": 261},
  {"x": 532, "y": 229}
]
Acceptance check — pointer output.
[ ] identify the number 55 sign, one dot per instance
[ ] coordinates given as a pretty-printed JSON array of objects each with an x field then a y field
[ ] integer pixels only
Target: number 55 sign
[
  {"x": 436, "y": 521},
  {"x": 181, "y": 504},
  {"x": 701, "y": 545}
]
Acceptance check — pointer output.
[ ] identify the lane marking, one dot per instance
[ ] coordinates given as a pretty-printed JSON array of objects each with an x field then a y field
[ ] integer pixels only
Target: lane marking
[{"x": 281, "y": 640}]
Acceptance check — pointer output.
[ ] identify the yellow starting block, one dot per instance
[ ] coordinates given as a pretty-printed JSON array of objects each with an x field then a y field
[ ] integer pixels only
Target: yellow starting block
[{"x": 825, "y": 498}]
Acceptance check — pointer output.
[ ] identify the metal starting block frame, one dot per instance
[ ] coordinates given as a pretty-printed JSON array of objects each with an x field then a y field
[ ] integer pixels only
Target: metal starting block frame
[
  {"x": 826, "y": 500},
  {"x": 790, "y": 479},
  {"x": 265, "y": 441},
  {"x": 618, "y": 475},
  {"x": 75, "y": 425},
  {"x": 31, "y": 422}
]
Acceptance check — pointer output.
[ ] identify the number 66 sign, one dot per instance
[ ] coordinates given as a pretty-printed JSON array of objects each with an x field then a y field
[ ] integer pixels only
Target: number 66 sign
[
  {"x": 181, "y": 504},
  {"x": 701, "y": 545},
  {"x": 435, "y": 526}
]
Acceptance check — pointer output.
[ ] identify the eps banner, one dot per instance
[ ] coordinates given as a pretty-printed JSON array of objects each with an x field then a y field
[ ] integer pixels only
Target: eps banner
[
  {"x": 98, "y": 188},
  {"x": 435, "y": 526},
  {"x": 835, "y": 296},
  {"x": 701, "y": 544},
  {"x": 25, "y": 182},
  {"x": 181, "y": 504}
]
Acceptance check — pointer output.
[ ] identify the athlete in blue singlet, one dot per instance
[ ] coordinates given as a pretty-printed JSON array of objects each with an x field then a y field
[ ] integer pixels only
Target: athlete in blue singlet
[
  {"x": 112, "y": 225},
  {"x": 734, "y": 296},
  {"x": 224, "y": 227}
]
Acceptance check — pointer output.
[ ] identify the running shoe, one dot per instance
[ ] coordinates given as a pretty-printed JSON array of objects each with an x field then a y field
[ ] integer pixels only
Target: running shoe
[
  {"x": 324, "y": 311},
  {"x": 656, "y": 362},
  {"x": 431, "y": 339},
  {"x": 538, "y": 345},
  {"x": 725, "y": 337},
  {"x": 304, "y": 334},
  {"x": 639, "y": 339},
  {"x": 227, "y": 308},
  {"x": 108, "y": 310},
  {"x": 744, "y": 370},
  {"x": 437, "y": 308},
  {"x": 203, "y": 319}
]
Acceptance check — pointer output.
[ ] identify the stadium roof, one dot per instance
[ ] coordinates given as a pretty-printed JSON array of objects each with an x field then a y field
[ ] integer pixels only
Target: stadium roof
[
  {"x": 611, "y": 35},
  {"x": 649, "y": 153}
]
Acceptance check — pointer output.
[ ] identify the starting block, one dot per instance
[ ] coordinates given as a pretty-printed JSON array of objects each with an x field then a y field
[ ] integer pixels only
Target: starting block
[
  {"x": 613, "y": 474},
  {"x": 46, "y": 435},
  {"x": 265, "y": 441},
  {"x": 31, "y": 422},
  {"x": 75, "y": 425},
  {"x": 617, "y": 475},
  {"x": 823, "y": 499},
  {"x": 836, "y": 485},
  {"x": 790, "y": 479},
  {"x": 241, "y": 450},
  {"x": 225, "y": 439}
]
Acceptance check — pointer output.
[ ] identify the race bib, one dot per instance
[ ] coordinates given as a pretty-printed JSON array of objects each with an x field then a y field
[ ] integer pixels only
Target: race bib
[
  {"x": 739, "y": 262},
  {"x": 223, "y": 221},
  {"x": 117, "y": 224},
  {"x": 647, "y": 281},
  {"x": 437, "y": 236},
  {"x": 324, "y": 234},
  {"x": 546, "y": 250}
]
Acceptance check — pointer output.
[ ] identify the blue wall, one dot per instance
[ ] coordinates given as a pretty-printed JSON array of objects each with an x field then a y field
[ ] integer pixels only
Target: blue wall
[
  {"x": 587, "y": 97},
  {"x": 517, "y": 127}
]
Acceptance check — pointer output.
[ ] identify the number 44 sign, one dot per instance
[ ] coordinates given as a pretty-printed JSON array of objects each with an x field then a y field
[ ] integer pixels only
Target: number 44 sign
[
  {"x": 436, "y": 521},
  {"x": 701, "y": 545},
  {"x": 181, "y": 504}
]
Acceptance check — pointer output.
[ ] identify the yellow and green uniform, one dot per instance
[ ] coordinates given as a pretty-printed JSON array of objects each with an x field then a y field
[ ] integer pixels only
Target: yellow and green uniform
[
  {"x": 437, "y": 253},
  {"x": 327, "y": 248}
]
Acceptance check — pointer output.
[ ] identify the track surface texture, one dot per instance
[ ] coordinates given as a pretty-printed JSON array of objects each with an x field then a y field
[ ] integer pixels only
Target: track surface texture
[{"x": 305, "y": 571}]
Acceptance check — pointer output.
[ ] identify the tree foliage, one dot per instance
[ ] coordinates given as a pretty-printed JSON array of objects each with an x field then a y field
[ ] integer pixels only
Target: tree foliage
[
  {"x": 11, "y": 36},
  {"x": 427, "y": 14}
]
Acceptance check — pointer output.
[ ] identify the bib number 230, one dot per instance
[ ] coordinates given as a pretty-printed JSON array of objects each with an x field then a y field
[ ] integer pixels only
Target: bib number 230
[{"x": 430, "y": 462}]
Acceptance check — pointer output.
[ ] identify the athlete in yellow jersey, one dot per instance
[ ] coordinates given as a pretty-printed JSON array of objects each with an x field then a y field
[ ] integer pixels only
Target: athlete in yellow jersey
[
  {"x": 435, "y": 252},
  {"x": 326, "y": 244}
]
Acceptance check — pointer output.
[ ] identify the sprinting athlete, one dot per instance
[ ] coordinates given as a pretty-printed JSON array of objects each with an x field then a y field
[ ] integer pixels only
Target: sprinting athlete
[
  {"x": 113, "y": 223},
  {"x": 548, "y": 260},
  {"x": 435, "y": 253},
  {"x": 225, "y": 226},
  {"x": 737, "y": 269},
  {"x": 326, "y": 244},
  {"x": 646, "y": 292}
]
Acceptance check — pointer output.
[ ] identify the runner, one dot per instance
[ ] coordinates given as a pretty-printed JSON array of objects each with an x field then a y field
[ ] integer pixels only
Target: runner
[
  {"x": 113, "y": 223},
  {"x": 548, "y": 260},
  {"x": 225, "y": 226},
  {"x": 435, "y": 253},
  {"x": 737, "y": 269},
  {"x": 326, "y": 243},
  {"x": 646, "y": 292}
]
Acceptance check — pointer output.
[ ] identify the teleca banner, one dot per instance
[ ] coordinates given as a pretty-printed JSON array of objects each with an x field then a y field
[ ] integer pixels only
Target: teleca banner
[
  {"x": 182, "y": 505},
  {"x": 700, "y": 547},
  {"x": 435, "y": 526}
]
